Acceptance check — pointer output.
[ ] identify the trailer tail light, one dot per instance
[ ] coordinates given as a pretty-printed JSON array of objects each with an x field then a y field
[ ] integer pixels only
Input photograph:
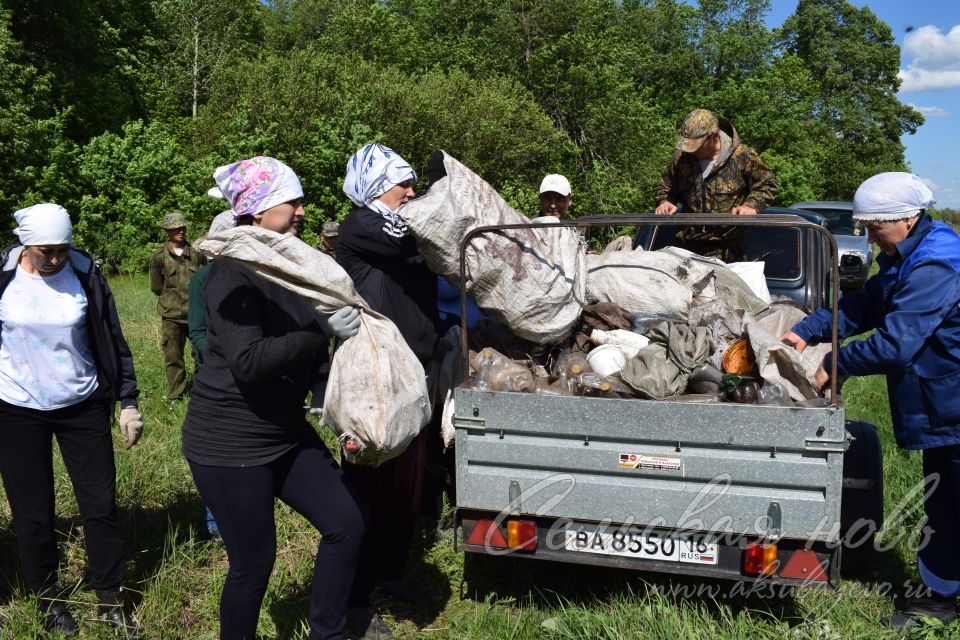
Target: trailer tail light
[
  {"x": 522, "y": 534},
  {"x": 804, "y": 565},
  {"x": 487, "y": 534},
  {"x": 760, "y": 559}
]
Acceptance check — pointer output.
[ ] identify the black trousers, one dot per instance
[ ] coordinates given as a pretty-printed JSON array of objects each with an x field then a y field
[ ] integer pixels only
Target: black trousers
[
  {"x": 26, "y": 464},
  {"x": 242, "y": 500},
  {"x": 391, "y": 494}
]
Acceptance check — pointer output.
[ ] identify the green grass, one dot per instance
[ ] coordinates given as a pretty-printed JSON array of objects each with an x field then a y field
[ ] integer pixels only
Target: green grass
[{"x": 175, "y": 575}]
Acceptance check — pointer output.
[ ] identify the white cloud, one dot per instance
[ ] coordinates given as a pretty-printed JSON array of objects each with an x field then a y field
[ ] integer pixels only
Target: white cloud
[
  {"x": 934, "y": 59},
  {"x": 931, "y": 112},
  {"x": 933, "y": 186}
]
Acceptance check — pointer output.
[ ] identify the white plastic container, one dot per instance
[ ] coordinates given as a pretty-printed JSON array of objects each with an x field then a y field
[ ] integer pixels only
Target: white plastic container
[
  {"x": 628, "y": 341},
  {"x": 607, "y": 360}
]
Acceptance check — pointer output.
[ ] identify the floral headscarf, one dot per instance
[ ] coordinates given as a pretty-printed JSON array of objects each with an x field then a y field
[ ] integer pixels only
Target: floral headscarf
[
  {"x": 371, "y": 172},
  {"x": 257, "y": 184}
]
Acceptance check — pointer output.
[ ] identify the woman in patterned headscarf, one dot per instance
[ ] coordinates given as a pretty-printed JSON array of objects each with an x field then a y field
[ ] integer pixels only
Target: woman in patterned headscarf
[
  {"x": 245, "y": 435},
  {"x": 376, "y": 249}
]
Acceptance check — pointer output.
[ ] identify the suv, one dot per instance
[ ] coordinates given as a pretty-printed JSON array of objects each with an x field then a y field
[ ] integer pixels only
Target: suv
[{"x": 856, "y": 254}]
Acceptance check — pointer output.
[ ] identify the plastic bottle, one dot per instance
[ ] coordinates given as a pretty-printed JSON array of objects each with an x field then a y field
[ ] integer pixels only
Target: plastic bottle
[
  {"x": 627, "y": 341},
  {"x": 567, "y": 359},
  {"x": 594, "y": 384},
  {"x": 544, "y": 387},
  {"x": 569, "y": 379},
  {"x": 484, "y": 372}
]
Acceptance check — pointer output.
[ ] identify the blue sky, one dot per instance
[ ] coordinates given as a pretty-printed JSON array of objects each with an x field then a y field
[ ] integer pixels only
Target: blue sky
[{"x": 928, "y": 33}]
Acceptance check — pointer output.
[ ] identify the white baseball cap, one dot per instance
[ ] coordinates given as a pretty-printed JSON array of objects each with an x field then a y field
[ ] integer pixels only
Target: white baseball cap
[{"x": 556, "y": 183}]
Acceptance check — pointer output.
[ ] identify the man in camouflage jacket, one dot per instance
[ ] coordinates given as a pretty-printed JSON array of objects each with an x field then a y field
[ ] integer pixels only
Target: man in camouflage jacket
[
  {"x": 171, "y": 268},
  {"x": 712, "y": 172}
]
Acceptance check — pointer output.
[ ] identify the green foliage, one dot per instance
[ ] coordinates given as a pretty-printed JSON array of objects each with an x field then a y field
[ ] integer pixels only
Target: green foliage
[
  {"x": 592, "y": 89},
  {"x": 32, "y": 146},
  {"x": 129, "y": 181},
  {"x": 855, "y": 60}
]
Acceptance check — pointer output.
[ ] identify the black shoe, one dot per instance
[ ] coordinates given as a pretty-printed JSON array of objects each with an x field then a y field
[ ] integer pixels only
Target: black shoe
[
  {"x": 58, "y": 619},
  {"x": 116, "y": 618},
  {"x": 367, "y": 623},
  {"x": 403, "y": 589},
  {"x": 919, "y": 607}
]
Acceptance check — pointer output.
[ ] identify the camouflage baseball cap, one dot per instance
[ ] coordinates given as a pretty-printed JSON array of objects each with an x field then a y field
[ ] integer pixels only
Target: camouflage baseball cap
[
  {"x": 173, "y": 220},
  {"x": 330, "y": 229},
  {"x": 698, "y": 124}
]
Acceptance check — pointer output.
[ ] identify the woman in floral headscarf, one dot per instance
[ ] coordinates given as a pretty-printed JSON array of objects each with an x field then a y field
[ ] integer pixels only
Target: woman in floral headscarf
[
  {"x": 378, "y": 252},
  {"x": 245, "y": 435}
]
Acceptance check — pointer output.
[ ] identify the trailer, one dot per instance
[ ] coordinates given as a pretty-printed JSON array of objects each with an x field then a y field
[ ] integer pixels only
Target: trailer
[{"x": 718, "y": 490}]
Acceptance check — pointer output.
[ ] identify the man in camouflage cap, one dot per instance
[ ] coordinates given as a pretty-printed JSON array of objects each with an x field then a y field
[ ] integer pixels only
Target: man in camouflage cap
[
  {"x": 171, "y": 268},
  {"x": 328, "y": 238},
  {"x": 712, "y": 172}
]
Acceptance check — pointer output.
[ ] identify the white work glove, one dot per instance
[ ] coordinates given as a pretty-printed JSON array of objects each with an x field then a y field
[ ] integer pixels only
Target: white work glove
[
  {"x": 342, "y": 323},
  {"x": 131, "y": 426}
]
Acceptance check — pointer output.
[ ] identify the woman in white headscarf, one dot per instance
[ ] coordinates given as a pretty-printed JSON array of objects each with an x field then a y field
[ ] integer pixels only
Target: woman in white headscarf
[
  {"x": 376, "y": 249},
  {"x": 63, "y": 364},
  {"x": 912, "y": 304},
  {"x": 245, "y": 435}
]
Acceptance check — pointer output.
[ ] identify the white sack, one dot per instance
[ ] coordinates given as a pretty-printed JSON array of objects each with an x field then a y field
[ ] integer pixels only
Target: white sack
[
  {"x": 781, "y": 364},
  {"x": 531, "y": 280},
  {"x": 377, "y": 390},
  {"x": 752, "y": 274},
  {"x": 652, "y": 282}
]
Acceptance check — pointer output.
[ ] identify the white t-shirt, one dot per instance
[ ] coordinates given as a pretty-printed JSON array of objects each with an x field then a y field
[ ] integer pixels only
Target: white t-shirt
[{"x": 45, "y": 356}]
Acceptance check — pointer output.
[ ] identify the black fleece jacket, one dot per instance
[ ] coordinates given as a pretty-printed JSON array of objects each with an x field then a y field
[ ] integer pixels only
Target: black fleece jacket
[{"x": 264, "y": 352}]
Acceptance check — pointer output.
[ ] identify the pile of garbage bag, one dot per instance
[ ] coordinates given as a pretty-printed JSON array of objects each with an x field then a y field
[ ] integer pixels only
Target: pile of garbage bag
[{"x": 662, "y": 325}]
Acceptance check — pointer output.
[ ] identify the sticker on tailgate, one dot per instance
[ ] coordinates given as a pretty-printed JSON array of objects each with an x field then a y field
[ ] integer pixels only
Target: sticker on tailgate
[{"x": 655, "y": 463}]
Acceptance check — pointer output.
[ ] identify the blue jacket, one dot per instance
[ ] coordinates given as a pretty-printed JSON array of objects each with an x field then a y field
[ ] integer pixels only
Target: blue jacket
[{"x": 913, "y": 305}]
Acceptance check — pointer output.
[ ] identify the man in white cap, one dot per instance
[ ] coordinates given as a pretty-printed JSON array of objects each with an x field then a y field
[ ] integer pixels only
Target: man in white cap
[
  {"x": 555, "y": 196},
  {"x": 912, "y": 304}
]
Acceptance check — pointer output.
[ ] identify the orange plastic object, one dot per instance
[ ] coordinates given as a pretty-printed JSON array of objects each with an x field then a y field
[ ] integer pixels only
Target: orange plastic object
[{"x": 739, "y": 358}]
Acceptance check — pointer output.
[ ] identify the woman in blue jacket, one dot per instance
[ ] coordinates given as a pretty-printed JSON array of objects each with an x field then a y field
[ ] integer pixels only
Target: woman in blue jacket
[{"x": 912, "y": 303}]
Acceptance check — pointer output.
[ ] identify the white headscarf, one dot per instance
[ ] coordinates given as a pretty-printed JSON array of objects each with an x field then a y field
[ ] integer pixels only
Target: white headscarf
[
  {"x": 891, "y": 196},
  {"x": 371, "y": 172},
  {"x": 254, "y": 185},
  {"x": 44, "y": 224}
]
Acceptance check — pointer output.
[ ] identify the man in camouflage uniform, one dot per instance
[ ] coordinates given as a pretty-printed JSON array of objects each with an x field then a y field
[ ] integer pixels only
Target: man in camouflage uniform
[
  {"x": 328, "y": 238},
  {"x": 712, "y": 172},
  {"x": 171, "y": 268}
]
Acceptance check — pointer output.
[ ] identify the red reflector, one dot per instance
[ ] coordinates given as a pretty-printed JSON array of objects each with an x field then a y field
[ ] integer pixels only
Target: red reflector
[
  {"x": 760, "y": 559},
  {"x": 804, "y": 565},
  {"x": 487, "y": 534},
  {"x": 522, "y": 534}
]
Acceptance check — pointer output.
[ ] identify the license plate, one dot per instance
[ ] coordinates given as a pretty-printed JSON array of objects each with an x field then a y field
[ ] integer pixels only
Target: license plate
[{"x": 634, "y": 542}]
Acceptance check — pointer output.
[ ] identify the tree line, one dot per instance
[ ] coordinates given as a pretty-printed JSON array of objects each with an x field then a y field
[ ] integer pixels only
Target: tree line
[{"x": 121, "y": 109}]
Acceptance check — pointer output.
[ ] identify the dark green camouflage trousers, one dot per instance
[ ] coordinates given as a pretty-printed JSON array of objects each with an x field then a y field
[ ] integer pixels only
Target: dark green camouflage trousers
[{"x": 173, "y": 339}]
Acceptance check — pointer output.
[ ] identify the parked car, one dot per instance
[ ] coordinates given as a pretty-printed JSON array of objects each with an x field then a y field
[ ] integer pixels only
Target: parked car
[{"x": 856, "y": 254}]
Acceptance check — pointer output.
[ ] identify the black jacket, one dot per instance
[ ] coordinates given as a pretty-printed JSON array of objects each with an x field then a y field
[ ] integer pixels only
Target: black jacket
[
  {"x": 392, "y": 276},
  {"x": 115, "y": 374},
  {"x": 264, "y": 352}
]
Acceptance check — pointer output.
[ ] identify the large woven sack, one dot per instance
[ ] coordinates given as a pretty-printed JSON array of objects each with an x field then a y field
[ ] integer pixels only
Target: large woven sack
[
  {"x": 651, "y": 282},
  {"x": 377, "y": 392},
  {"x": 531, "y": 280}
]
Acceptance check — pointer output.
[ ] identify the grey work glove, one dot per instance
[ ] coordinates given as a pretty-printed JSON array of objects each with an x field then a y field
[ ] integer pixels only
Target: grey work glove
[
  {"x": 131, "y": 426},
  {"x": 342, "y": 323}
]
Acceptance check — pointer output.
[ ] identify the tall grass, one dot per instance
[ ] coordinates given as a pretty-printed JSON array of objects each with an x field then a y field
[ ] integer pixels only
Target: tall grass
[{"x": 175, "y": 573}]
